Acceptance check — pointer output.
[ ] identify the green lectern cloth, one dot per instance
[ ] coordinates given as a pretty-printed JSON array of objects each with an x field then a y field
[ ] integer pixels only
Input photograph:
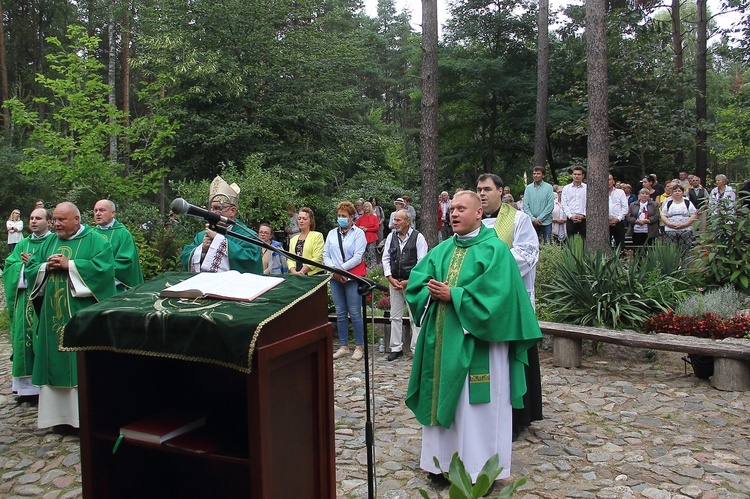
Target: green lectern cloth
[{"x": 215, "y": 331}]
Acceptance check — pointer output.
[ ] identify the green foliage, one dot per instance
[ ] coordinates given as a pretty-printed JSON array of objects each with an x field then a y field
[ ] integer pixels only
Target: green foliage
[
  {"x": 599, "y": 289},
  {"x": 70, "y": 140},
  {"x": 158, "y": 239},
  {"x": 461, "y": 486},
  {"x": 722, "y": 248},
  {"x": 487, "y": 86},
  {"x": 731, "y": 138},
  {"x": 264, "y": 192},
  {"x": 648, "y": 122},
  {"x": 547, "y": 277},
  {"x": 18, "y": 190},
  {"x": 381, "y": 299},
  {"x": 725, "y": 302}
]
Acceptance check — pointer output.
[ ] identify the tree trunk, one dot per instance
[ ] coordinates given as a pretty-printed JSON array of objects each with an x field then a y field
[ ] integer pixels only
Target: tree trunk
[
  {"x": 701, "y": 153},
  {"x": 679, "y": 159},
  {"x": 597, "y": 205},
  {"x": 542, "y": 84},
  {"x": 429, "y": 129},
  {"x": 126, "y": 85},
  {"x": 4, "y": 77},
  {"x": 111, "y": 80}
]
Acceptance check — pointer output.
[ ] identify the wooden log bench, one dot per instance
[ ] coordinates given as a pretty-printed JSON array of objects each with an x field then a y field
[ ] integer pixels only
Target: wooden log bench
[{"x": 731, "y": 356}]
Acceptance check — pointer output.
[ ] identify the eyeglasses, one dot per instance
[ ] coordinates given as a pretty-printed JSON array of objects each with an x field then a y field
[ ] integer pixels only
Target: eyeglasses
[{"x": 220, "y": 208}]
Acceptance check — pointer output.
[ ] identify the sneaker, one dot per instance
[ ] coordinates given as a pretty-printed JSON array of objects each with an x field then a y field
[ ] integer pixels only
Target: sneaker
[
  {"x": 394, "y": 355},
  {"x": 359, "y": 352},
  {"x": 341, "y": 352}
]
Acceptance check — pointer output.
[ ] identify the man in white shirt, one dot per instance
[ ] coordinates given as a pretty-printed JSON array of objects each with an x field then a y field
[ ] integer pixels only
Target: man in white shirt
[
  {"x": 574, "y": 203},
  {"x": 515, "y": 229},
  {"x": 618, "y": 209},
  {"x": 403, "y": 249}
]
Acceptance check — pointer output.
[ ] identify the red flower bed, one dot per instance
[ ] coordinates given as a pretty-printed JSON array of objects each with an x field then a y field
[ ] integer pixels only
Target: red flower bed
[{"x": 707, "y": 325}]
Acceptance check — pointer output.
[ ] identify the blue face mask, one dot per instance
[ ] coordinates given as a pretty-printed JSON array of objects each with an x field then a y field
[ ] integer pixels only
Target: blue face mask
[{"x": 343, "y": 222}]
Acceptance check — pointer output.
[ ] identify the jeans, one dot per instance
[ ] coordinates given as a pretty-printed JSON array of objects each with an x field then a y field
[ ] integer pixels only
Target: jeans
[
  {"x": 348, "y": 304},
  {"x": 545, "y": 232}
]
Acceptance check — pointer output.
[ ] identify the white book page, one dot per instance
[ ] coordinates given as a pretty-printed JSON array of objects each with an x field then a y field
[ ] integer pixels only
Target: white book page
[{"x": 231, "y": 285}]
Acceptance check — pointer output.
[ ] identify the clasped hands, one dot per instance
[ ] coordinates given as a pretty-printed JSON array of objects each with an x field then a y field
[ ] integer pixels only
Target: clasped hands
[
  {"x": 439, "y": 290},
  {"x": 57, "y": 262}
]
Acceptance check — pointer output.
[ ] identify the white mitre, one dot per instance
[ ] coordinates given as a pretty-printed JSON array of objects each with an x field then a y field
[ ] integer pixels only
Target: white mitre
[{"x": 221, "y": 192}]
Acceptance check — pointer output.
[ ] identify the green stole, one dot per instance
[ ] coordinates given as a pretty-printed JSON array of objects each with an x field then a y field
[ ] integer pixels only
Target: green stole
[
  {"x": 486, "y": 289},
  {"x": 479, "y": 371}
]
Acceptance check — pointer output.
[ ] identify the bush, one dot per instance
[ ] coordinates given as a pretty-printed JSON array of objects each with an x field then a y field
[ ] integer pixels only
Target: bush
[
  {"x": 599, "y": 289},
  {"x": 158, "y": 239},
  {"x": 725, "y": 302},
  {"x": 547, "y": 276},
  {"x": 722, "y": 247}
]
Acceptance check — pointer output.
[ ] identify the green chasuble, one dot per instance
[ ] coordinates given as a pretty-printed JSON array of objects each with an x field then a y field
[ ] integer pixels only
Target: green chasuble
[
  {"x": 20, "y": 310},
  {"x": 486, "y": 290},
  {"x": 57, "y": 295},
  {"x": 243, "y": 256},
  {"x": 127, "y": 265}
]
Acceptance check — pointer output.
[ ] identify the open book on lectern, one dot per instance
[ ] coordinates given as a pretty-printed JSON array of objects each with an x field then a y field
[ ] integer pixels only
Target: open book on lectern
[{"x": 231, "y": 285}]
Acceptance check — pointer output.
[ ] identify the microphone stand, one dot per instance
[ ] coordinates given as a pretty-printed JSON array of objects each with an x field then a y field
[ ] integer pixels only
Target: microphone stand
[{"x": 364, "y": 288}]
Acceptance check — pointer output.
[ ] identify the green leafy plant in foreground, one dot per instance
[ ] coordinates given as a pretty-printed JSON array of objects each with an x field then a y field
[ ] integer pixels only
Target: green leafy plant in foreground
[{"x": 461, "y": 486}]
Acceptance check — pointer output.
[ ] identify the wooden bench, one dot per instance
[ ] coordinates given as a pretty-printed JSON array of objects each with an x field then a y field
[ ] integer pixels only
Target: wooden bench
[{"x": 731, "y": 356}]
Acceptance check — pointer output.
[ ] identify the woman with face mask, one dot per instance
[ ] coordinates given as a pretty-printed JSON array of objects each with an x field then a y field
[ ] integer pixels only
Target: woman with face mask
[{"x": 345, "y": 248}]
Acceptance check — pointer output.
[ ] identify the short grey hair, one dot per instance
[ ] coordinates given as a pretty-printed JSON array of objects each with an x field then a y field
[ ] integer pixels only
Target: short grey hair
[
  {"x": 405, "y": 214},
  {"x": 723, "y": 178},
  {"x": 644, "y": 190}
]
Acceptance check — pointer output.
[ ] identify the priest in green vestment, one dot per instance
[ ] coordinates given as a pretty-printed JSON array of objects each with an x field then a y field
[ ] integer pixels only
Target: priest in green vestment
[
  {"x": 128, "y": 271},
  {"x": 467, "y": 372},
  {"x": 20, "y": 310},
  {"x": 72, "y": 270},
  {"x": 214, "y": 252}
]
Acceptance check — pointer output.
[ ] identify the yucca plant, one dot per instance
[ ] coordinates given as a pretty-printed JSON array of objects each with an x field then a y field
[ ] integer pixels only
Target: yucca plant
[{"x": 600, "y": 289}]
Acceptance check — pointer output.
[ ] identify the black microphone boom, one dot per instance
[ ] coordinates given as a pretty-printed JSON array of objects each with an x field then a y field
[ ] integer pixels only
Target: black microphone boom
[{"x": 182, "y": 207}]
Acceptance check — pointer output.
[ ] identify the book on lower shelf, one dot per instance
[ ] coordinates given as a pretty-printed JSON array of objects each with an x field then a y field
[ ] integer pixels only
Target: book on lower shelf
[
  {"x": 231, "y": 285},
  {"x": 161, "y": 427}
]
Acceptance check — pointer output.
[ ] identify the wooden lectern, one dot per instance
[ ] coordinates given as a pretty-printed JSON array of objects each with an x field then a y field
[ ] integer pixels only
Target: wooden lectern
[{"x": 269, "y": 424}]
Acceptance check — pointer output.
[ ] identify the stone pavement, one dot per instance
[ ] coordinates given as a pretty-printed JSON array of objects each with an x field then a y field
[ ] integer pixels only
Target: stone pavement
[{"x": 619, "y": 427}]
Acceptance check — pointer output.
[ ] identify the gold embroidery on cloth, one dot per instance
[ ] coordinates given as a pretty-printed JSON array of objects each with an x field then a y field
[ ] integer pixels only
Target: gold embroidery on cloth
[
  {"x": 160, "y": 309},
  {"x": 454, "y": 269},
  {"x": 479, "y": 378}
]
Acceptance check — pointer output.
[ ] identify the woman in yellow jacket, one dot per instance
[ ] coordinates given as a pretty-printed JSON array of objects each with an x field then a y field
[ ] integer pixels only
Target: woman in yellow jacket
[{"x": 307, "y": 244}]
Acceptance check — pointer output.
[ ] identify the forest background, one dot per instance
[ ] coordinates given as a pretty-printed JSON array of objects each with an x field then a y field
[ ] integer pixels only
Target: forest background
[{"x": 314, "y": 102}]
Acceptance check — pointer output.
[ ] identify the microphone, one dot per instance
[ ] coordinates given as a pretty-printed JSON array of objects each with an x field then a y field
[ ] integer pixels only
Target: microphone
[{"x": 182, "y": 207}]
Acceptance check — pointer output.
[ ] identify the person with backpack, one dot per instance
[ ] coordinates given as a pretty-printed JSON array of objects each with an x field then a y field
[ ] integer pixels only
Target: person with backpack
[{"x": 678, "y": 215}]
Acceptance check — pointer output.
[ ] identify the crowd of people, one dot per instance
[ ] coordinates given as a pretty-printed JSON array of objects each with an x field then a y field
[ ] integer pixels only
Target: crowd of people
[
  {"x": 475, "y": 381},
  {"x": 673, "y": 211}
]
